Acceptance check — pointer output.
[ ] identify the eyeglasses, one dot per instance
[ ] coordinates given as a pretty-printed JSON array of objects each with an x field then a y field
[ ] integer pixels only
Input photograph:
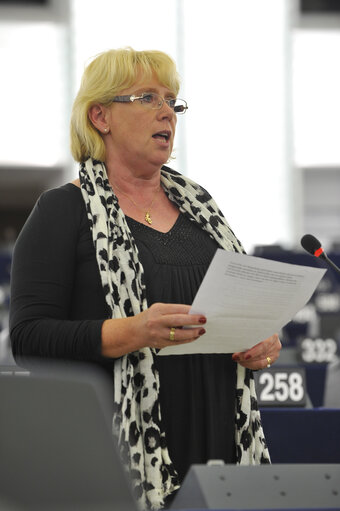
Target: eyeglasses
[{"x": 154, "y": 101}]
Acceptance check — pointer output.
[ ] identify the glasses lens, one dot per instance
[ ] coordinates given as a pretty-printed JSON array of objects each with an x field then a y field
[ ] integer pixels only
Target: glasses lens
[
  {"x": 180, "y": 106},
  {"x": 151, "y": 100},
  {"x": 155, "y": 102}
]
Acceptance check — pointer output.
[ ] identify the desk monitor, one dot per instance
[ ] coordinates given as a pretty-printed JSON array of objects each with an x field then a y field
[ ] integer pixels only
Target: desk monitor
[
  {"x": 262, "y": 487},
  {"x": 56, "y": 445}
]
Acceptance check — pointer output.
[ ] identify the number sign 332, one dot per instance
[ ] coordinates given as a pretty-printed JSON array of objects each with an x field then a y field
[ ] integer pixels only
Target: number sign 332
[
  {"x": 318, "y": 350},
  {"x": 281, "y": 387}
]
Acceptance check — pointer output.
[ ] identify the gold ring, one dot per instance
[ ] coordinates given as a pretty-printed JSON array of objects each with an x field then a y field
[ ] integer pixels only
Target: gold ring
[
  {"x": 172, "y": 333},
  {"x": 269, "y": 360}
]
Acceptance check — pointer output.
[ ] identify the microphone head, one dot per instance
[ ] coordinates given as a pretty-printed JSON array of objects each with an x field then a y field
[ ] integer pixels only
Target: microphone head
[{"x": 310, "y": 243}]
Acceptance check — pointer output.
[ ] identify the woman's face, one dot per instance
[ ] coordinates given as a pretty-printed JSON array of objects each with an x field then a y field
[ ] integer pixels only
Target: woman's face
[{"x": 136, "y": 137}]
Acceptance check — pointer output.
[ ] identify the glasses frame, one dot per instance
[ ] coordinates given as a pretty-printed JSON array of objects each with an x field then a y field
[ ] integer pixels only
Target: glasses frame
[{"x": 130, "y": 98}]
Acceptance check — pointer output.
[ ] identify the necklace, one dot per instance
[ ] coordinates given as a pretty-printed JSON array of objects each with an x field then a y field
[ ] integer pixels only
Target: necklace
[{"x": 147, "y": 211}]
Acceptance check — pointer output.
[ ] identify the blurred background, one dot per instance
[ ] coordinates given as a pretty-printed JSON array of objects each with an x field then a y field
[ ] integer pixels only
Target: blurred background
[{"x": 262, "y": 81}]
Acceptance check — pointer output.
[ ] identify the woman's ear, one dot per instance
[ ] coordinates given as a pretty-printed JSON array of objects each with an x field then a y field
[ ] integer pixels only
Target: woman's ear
[{"x": 97, "y": 114}]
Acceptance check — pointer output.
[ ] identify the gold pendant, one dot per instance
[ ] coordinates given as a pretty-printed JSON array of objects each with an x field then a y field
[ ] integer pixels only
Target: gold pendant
[{"x": 148, "y": 217}]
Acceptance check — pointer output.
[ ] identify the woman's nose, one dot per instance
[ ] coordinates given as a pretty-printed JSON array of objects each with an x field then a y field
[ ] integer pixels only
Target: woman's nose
[{"x": 166, "y": 111}]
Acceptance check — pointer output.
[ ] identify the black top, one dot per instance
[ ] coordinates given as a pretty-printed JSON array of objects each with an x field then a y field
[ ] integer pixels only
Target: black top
[{"x": 58, "y": 307}]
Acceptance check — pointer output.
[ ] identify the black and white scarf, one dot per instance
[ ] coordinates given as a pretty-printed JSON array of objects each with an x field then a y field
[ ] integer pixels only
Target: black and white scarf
[{"x": 137, "y": 420}]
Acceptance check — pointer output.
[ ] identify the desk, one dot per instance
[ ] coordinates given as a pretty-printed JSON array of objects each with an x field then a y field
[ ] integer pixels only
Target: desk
[{"x": 302, "y": 435}]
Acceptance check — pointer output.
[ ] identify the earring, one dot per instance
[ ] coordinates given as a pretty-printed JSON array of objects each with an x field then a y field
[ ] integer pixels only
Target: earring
[{"x": 106, "y": 130}]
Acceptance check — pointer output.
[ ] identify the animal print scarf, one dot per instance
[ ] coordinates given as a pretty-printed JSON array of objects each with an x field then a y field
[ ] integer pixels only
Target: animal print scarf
[{"x": 137, "y": 419}]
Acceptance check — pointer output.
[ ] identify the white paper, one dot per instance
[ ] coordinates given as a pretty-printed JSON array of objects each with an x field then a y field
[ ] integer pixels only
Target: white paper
[{"x": 247, "y": 299}]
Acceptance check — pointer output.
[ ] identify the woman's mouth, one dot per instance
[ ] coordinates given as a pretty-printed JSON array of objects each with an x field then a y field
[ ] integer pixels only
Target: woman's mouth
[{"x": 162, "y": 136}]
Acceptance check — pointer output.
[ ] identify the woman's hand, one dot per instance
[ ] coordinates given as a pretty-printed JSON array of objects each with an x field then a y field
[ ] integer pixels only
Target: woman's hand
[
  {"x": 260, "y": 356},
  {"x": 158, "y": 326},
  {"x": 162, "y": 325}
]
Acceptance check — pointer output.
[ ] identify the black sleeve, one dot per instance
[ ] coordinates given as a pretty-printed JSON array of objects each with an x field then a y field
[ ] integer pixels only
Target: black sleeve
[{"x": 42, "y": 285}]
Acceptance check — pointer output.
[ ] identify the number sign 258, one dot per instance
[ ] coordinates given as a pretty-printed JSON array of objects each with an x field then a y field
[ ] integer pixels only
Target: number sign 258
[{"x": 281, "y": 387}]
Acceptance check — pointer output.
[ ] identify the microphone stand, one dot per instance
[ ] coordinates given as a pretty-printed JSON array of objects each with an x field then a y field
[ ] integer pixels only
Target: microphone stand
[{"x": 329, "y": 261}]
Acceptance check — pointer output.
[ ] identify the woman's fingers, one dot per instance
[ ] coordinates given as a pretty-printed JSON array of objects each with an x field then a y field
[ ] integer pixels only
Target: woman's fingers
[
  {"x": 175, "y": 314},
  {"x": 260, "y": 356},
  {"x": 180, "y": 334},
  {"x": 164, "y": 324},
  {"x": 268, "y": 348}
]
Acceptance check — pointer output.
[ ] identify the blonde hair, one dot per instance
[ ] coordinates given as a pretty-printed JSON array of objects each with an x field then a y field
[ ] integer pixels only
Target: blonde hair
[{"x": 105, "y": 77}]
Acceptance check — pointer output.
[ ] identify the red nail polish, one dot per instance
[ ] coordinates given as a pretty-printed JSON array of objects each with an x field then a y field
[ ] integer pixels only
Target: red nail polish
[
  {"x": 202, "y": 331},
  {"x": 247, "y": 357},
  {"x": 202, "y": 320}
]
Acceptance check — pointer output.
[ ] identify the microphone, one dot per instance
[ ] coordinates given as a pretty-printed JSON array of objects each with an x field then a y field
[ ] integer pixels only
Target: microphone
[{"x": 312, "y": 245}]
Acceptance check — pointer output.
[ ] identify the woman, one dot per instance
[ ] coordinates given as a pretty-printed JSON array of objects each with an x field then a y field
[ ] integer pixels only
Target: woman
[{"x": 106, "y": 268}]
